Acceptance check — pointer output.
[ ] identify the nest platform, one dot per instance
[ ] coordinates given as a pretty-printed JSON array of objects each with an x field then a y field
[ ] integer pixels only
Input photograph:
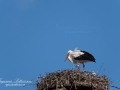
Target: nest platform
[{"x": 72, "y": 80}]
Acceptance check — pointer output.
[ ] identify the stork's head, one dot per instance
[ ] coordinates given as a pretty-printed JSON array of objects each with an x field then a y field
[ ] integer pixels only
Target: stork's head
[{"x": 69, "y": 52}]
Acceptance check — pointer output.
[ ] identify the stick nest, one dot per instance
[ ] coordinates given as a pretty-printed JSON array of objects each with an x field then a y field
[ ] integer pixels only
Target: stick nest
[{"x": 72, "y": 80}]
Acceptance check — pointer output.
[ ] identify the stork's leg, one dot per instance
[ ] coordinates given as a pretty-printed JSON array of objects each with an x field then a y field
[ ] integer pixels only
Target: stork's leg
[
  {"x": 78, "y": 66},
  {"x": 83, "y": 66}
]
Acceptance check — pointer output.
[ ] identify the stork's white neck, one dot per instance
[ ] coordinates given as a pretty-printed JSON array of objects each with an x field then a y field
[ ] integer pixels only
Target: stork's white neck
[{"x": 70, "y": 58}]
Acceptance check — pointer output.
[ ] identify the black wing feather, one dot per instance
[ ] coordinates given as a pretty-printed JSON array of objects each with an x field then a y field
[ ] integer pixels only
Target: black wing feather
[{"x": 85, "y": 56}]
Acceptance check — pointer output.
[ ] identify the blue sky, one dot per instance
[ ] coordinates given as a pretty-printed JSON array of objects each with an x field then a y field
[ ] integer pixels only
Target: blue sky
[{"x": 35, "y": 36}]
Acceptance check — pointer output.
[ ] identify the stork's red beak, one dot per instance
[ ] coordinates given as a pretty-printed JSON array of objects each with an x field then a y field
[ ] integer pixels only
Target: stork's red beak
[{"x": 66, "y": 57}]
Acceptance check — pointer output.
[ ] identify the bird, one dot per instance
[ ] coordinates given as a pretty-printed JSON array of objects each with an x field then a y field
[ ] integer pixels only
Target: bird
[{"x": 79, "y": 57}]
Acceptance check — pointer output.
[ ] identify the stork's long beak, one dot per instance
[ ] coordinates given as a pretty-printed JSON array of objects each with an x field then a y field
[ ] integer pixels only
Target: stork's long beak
[{"x": 66, "y": 57}]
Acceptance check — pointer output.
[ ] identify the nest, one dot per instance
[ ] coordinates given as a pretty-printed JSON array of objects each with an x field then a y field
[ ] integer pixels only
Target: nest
[{"x": 72, "y": 80}]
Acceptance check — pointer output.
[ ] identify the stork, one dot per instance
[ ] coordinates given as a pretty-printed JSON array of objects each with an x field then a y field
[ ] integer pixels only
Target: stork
[{"x": 79, "y": 57}]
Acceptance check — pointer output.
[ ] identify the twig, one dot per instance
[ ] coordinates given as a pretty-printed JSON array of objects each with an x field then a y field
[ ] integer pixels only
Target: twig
[
  {"x": 100, "y": 68},
  {"x": 115, "y": 87}
]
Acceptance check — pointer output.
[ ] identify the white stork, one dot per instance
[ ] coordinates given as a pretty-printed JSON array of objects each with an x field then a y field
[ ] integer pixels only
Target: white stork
[{"x": 79, "y": 57}]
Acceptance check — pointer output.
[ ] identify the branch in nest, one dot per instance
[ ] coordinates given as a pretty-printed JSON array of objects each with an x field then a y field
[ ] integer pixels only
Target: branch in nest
[{"x": 115, "y": 87}]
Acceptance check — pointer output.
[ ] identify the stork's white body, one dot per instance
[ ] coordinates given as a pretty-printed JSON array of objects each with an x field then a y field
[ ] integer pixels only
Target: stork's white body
[
  {"x": 78, "y": 56},
  {"x": 74, "y": 54}
]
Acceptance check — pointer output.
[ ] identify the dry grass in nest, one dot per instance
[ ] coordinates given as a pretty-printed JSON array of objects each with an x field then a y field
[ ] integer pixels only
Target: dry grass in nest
[{"x": 72, "y": 80}]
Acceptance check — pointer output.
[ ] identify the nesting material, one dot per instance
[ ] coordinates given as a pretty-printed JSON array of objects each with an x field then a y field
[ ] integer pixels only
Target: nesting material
[{"x": 72, "y": 80}]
